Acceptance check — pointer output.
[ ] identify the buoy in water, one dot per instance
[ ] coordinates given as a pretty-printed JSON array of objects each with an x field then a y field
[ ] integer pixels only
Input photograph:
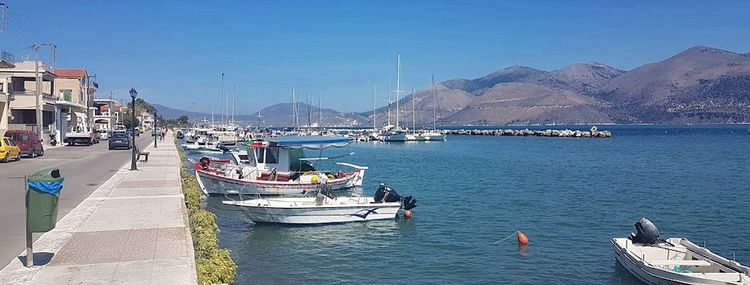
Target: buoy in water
[
  {"x": 522, "y": 239},
  {"x": 407, "y": 214}
]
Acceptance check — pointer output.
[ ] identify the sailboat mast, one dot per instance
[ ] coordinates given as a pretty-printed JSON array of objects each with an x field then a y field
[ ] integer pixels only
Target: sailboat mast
[
  {"x": 320, "y": 114},
  {"x": 222, "y": 98},
  {"x": 374, "y": 102},
  {"x": 398, "y": 84},
  {"x": 434, "y": 104},
  {"x": 234, "y": 102},
  {"x": 294, "y": 112},
  {"x": 413, "y": 114},
  {"x": 389, "y": 99}
]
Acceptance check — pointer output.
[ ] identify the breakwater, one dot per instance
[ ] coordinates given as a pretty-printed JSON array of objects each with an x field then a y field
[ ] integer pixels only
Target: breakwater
[{"x": 566, "y": 133}]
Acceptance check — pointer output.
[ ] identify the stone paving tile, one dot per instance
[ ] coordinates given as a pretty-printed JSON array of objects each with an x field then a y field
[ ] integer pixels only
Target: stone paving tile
[
  {"x": 122, "y": 246},
  {"x": 160, "y": 191},
  {"x": 148, "y": 184},
  {"x": 124, "y": 214}
]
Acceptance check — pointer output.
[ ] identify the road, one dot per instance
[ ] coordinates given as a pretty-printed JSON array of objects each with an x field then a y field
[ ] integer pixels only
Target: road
[{"x": 84, "y": 169}]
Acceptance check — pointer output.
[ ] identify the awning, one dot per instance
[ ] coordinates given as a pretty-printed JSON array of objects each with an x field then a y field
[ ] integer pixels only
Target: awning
[{"x": 80, "y": 115}]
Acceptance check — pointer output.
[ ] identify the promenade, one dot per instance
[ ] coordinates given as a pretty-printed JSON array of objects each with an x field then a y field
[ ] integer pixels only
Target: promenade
[{"x": 132, "y": 229}]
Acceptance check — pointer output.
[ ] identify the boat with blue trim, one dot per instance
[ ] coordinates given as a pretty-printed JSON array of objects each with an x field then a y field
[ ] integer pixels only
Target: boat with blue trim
[{"x": 279, "y": 166}]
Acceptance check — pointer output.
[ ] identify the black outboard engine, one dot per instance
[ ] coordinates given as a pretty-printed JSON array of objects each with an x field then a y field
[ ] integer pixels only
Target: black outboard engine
[
  {"x": 224, "y": 148},
  {"x": 386, "y": 194},
  {"x": 647, "y": 233}
]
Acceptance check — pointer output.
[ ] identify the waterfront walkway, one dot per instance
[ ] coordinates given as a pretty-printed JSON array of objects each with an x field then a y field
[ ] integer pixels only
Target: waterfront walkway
[{"x": 133, "y": 229}]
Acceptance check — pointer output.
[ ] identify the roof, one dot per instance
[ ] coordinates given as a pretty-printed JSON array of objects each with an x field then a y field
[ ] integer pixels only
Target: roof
[
  {"x": 70, "y": 73},
  {"x": 311, "y": 142}
]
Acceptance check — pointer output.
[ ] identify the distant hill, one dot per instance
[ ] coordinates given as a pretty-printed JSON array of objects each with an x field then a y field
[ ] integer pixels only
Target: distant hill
[
  {"x": 281, "y": 115},
  {"x": 698, "y": 85}
]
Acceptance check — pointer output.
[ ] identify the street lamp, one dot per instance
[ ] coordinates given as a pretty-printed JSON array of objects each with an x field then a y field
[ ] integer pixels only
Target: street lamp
[
  {"x": 133, "y": 94},
  {"x": 155, "y": 134}
]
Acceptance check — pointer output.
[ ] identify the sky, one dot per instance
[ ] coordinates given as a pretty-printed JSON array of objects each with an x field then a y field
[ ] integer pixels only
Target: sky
[{"x": 174, "y": 52}]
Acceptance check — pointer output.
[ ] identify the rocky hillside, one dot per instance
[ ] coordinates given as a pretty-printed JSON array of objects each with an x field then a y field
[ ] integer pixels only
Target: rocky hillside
[{"x": 698, "y": 85}]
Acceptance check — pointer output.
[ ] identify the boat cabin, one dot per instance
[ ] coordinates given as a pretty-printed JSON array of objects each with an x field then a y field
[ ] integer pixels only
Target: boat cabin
[{"x": 286, "y": 155}]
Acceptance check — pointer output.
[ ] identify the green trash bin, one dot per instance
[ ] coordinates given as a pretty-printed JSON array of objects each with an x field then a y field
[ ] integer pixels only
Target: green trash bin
[{"x": 43, "y": 192}]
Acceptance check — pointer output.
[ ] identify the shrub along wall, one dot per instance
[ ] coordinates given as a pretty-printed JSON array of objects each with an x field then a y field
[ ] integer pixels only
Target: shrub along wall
[{"x": 213, "y": 264}]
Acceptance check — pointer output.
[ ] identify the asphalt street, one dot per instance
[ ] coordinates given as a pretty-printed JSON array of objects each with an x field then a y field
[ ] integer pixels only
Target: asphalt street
[{"x": 84, "y": 169}]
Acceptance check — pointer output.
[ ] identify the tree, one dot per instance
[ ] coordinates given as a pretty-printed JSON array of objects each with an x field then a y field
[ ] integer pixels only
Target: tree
[
  {"x": 183, "y": 120},
  {"x": 127, "y": 121}
]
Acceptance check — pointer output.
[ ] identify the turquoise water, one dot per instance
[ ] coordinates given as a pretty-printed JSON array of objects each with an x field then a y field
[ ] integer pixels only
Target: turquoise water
[{"x": 569, "y": 196}]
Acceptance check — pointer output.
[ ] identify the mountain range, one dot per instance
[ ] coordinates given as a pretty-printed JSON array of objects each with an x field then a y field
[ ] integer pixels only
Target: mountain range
[{"x": 698, "y": 85}]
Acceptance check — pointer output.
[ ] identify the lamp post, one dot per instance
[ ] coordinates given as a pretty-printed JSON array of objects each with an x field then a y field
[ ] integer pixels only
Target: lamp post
[
  {"x": 156, "y": 135},
  {"x": 133, "y": 94}
]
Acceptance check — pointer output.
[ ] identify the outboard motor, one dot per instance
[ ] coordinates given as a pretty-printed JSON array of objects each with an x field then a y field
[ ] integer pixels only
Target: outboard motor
[
  {"x": 386, "y": 194},
  {"x": 646, "y": 232}
]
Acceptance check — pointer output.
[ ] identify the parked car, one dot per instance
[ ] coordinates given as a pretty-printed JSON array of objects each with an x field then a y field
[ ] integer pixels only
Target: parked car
[
  {"x": 9, "y": 150},
  {"x": 119, "y": 140},
  {"x": 27, "y": 141}
]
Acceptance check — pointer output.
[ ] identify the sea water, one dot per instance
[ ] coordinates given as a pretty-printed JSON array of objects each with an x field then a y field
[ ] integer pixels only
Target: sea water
[{"x": 570, "y": 196}]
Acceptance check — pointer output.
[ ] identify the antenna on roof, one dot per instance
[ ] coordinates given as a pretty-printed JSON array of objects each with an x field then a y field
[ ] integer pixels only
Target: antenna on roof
[{"x": 3, "y": 17}]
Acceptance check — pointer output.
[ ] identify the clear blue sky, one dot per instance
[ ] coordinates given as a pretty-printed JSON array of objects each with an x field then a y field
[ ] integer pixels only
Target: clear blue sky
[{"x": 173, "y": 52}]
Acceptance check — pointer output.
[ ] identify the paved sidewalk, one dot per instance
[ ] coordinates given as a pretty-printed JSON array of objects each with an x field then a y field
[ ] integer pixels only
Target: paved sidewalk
[{"x": 132, "y": 230}]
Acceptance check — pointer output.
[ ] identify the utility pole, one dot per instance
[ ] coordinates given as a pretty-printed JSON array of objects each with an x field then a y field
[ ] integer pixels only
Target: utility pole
[{"x": 38, "y": 80}]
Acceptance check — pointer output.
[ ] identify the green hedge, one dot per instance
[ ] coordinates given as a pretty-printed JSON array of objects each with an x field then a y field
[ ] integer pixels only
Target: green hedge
[{"x": 213, "y": 264}]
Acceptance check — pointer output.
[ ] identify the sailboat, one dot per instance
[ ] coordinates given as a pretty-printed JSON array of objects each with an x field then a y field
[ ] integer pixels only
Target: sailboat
[
  {"x": 434, "y": 134},
  {"x": 396, "y": 133}
]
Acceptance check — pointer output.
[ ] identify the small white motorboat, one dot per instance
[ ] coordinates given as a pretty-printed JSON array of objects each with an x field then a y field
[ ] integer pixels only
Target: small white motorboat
[
  {"x": 674, "y": 260},
  {"x": 325, "y": 208}
]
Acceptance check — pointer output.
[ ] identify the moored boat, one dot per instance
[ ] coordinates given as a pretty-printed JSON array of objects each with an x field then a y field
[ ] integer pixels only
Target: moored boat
[
  {"x": 325, "y": 208},
  {"x": 278, "y": 166},
  {"x": 675, "y": 260}
]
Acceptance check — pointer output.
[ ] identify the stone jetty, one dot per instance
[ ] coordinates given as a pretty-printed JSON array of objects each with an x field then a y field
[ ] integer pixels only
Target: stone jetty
[{"x": 566, "y": 133}]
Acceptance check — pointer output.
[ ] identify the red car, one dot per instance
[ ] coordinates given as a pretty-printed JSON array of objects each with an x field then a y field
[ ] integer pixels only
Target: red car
[{"x": 27, "y": 141}]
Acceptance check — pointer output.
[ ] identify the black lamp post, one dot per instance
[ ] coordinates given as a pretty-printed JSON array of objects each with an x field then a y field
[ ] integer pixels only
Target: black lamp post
[
  {"x": 156, "y": 135},
  {"x": 133, "y": 94}
]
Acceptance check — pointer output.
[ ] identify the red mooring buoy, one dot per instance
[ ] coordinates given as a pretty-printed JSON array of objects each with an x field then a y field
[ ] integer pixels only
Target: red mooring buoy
[
  {"x": 407, "y": 214},
  {"x": 522, "y": 239}
]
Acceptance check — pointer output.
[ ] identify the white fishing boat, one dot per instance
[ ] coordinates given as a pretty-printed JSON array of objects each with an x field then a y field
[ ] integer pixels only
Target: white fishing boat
[
  {"x": 325, "y": 208},
  {"x": 278, "y": 166},
  {"x": 431, "y": 135},
  {"x": 674, "y": 260},
  {"x": 204, "y": 145}
]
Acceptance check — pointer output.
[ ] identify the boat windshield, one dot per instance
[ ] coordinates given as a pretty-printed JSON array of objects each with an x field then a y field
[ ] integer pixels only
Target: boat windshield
[{"x": 267, "y": 155}]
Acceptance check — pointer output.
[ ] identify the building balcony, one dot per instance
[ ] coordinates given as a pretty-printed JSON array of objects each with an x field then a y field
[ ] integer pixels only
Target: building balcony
[{"x": 32, "y": 93}]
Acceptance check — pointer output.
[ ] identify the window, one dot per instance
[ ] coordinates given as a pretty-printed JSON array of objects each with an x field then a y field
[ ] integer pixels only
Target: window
[
  {"x": 272, "y": 155},
  {"x": 23, "y": 137},
  {"x": 10, "y": 142}
]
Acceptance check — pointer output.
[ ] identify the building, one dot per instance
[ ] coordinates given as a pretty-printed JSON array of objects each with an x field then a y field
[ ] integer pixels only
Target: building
[
  {"x": 66, "y": 98},
  {"x": 75, "y": 99},
  {"x": 5, "y": 91},
  {"x": 107, "y": 114},
  {"x": 19, "y": 81}
]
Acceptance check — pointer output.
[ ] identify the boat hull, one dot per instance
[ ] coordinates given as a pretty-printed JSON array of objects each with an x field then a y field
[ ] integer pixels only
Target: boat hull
[
  {"x": 261, "y": 213},
  {"x": 651, "y": 275},
  {"x": 214, "y": 184}
]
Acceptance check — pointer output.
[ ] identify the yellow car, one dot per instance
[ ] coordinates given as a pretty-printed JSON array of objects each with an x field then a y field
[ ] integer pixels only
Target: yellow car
[{"x": 9, "y": 150}]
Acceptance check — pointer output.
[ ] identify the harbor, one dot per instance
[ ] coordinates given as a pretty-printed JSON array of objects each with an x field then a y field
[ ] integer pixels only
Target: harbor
[
  {"x": 585, "y": 199},
  {"x": 381, "y": 142}
]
